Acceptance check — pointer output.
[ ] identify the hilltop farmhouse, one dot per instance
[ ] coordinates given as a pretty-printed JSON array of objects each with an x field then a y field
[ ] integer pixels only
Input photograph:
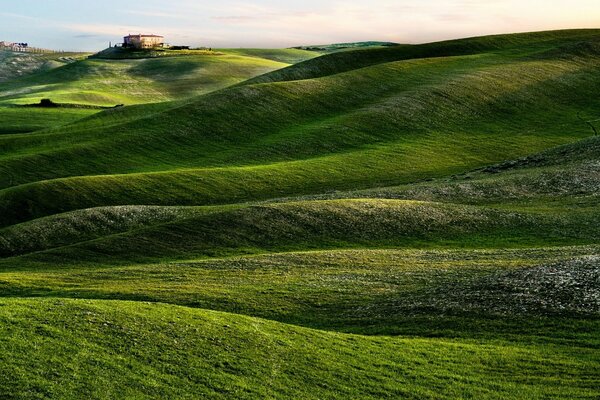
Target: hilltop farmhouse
[{"x": 143, "y": 41}]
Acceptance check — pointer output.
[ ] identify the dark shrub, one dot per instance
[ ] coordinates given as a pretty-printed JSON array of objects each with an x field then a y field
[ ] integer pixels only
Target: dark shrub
[{"x": 47, "y": 103}]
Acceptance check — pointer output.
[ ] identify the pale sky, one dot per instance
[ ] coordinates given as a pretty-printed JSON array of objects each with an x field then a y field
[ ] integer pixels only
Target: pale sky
[{"x": 90, "y": 25}]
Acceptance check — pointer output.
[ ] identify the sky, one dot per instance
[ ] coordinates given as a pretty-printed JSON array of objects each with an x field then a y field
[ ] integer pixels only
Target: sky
[{"x": 89, "y": 25}]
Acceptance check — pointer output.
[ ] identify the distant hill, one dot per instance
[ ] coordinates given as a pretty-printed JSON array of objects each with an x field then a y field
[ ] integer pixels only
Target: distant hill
[
  {"x": 341, "y": 61},
  {"x": 17, "y": 64},
  {"x": 288, "y": 56},
  {"x": 328, "y": 48},
  {"x": 120, "y": 53},
  {"x": 116, "y": 76}
]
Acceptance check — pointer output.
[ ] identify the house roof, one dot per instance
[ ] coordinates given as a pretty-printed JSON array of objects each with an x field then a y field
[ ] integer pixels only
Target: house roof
[{"x": 140, "y": 35}]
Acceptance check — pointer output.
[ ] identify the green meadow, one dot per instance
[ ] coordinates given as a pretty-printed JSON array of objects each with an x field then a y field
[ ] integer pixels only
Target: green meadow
[{"x": 346, "y": 221}]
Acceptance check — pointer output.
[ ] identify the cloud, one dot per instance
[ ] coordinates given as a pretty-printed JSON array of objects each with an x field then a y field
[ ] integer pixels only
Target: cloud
[
  {"x": 235, "y": 18},
  {"x": 86, "y": 36},
  {"x": 112, "y": 29},
  {"x": 19, "y": 16},
  {"x": 157, "y": 14}
]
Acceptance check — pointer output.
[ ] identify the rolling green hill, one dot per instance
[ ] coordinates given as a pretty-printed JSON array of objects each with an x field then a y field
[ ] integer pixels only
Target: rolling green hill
[
  {"x": 529, "y": 43},
  {"x": 334, "y": 47},
  {"x": 336, "y": 132},
  {"x": 132, "y": 81},
  {"x": 288, "y": 56},
  {"x": 17, "y": 64},
  {"x": 105, "y": 81},
  {"x": 407, "y": 222}
]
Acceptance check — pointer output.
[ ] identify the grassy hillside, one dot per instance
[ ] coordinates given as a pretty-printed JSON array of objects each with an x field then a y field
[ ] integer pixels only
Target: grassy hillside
[
  {"x": 313, "y": 225},
  {"x": 287, "y": 56},
  {"x": 149, "y": 351},
  {"x": 537, "y": 42},
  {"x": 404, "y": 222},
  {"x": 17, "y": 120},
  {"x": 335, "y": 132},
  {"x": 17, "y": 64},
  {"x": 329, "y": 48},
  {"x": 110, "y": 82},
  {"x": 561, "y": 178}
]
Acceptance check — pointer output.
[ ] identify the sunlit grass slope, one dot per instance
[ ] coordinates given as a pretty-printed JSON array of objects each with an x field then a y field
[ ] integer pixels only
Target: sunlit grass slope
[
  {"x": 556, "y": 189},
  {"x": 402, "y": 222},
  {"x": 312, "y": 225},
  {"x": 137, "y": 350},
  {"x": 563, "y": 178},
  {"x": 287, "y": 56},
  {"x": 110, "y": 82}
]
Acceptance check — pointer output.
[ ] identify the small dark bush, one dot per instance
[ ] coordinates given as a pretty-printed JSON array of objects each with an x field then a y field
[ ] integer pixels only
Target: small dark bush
[{"x": 47, "y": 103}]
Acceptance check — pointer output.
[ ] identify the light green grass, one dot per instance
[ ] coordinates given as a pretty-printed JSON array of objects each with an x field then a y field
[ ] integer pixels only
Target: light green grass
[
  {"x": 287, "y": 56},
  {"x": 101, "y": 82},
  {"x": 119, "y": 349},
  {"x": 110, "y": 82}
]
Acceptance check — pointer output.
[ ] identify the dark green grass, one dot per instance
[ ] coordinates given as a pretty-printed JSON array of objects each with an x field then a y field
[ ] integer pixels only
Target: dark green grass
[
  {"x": 78, "y": 226},
  {"x": 16, "y": 120},
  {"x": 295, "y": 226},
  {"x": 361, "y": 291}
]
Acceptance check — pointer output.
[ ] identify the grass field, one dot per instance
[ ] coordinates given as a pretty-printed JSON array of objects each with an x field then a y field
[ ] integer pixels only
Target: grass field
[
  {"x": 99, "y": 81},
  {"x": 17, "y": 64},
  {"x": 382, "y": 222}
]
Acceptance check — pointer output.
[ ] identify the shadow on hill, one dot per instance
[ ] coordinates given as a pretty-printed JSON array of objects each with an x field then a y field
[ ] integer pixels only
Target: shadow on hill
[
  {"x": 48, "y": 103},
  {"x": 583, "y": 49},
  {"x": 160, "y": 70}
]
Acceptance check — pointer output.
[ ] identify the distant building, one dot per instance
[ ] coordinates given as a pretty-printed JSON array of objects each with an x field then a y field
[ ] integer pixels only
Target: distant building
[
  {"x": 143, "y": 41},
  {"x": 14, "y": 46}
]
